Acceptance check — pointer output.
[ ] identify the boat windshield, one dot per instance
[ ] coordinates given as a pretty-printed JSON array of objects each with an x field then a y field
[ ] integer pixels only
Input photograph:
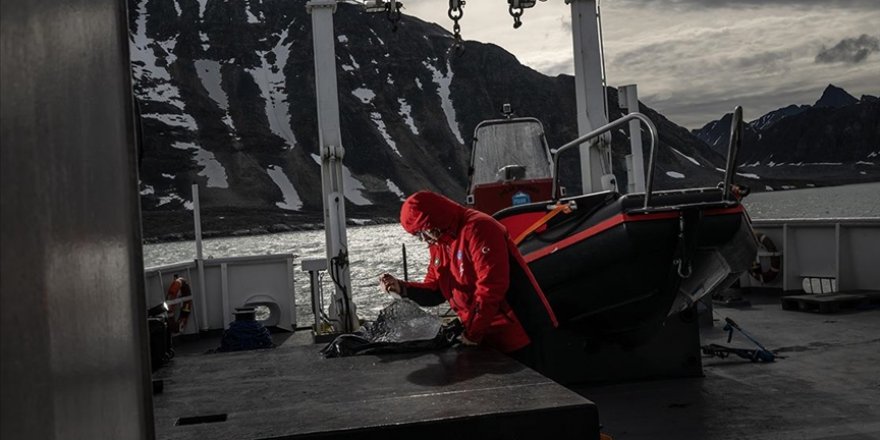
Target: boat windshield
[{"x": 504, "y": 143}]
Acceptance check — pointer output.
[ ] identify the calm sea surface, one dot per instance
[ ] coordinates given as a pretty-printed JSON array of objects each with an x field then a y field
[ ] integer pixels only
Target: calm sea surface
[{"x": 374, "y": 250}]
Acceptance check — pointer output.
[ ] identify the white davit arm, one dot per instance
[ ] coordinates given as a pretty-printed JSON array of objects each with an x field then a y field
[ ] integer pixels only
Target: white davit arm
[{"x": 332, "y": 153}]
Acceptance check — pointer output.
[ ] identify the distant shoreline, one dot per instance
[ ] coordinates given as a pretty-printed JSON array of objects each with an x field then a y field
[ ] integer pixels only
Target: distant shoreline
[
  {"x": 279, "y": 228},
  {"x": 176, "y": 226}
]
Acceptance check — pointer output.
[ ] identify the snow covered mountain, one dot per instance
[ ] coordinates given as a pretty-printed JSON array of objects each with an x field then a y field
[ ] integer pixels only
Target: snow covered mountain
[
  {"x": 834, "y": 141},
  {"x": 834, "y": 103},
  {"x": 225, "y": 90}
]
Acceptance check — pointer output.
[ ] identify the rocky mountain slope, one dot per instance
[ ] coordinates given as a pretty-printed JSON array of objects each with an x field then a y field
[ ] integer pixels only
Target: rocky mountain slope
[
  {"x": 226, "y": 94},
  {"x": 835, "y": 140}
]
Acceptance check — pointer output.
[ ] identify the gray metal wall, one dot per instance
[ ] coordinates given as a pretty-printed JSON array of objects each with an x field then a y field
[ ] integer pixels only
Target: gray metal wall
[{"x": 73, "y": 337}]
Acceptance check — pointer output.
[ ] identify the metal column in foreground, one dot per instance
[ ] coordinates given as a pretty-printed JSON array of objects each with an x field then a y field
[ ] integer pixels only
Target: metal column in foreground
[
  {"x": 75, "y": 356},
  {"x": 590, "y": 91},
  {"x": 342, "y": 309}
]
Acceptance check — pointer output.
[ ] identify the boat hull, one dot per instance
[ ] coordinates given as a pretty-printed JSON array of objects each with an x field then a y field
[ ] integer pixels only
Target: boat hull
[{"x": 611, "y": 268}]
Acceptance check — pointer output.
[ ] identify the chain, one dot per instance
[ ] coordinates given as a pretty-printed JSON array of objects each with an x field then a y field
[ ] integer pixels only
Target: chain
[
  {"x": 456, "y": 11},
  {"x": 516, "y": 13},
  {"x": 392, "y": 11}
]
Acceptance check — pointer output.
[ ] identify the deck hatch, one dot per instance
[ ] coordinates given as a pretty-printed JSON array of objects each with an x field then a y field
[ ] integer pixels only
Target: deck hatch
[{"x": 197, "y": 420}]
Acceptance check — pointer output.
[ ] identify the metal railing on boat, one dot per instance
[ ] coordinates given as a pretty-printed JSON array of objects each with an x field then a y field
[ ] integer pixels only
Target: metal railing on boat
[
  {"x": 652, "y": 130},
  {"x": 735, "y": 142}
]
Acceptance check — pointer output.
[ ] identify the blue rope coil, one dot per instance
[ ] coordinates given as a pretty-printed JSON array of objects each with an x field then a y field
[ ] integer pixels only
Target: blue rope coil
[{"x": 245, "y": 335}]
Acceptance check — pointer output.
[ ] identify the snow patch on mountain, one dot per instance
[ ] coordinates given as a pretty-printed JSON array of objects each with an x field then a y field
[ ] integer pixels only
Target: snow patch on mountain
[
  {"x": 342, "y": 39},
  {"x": 443, "y": 82},
  {"x": 168, "y": 47},
  {"x": 292, "y": 201},
  {"x": 352, "y": 186},
  {"x": 418, "y": 84},
  {"x": 675, "y": 175},
  {"x": 203, "y": 38},
  {"x": 212, "y": 79},
  {"x": 365, "y": 95},
  {"x": 148, "y": 189},
  {"x": 813, "y": 164},
  {"x": 686, "y": 157},
  {"x": 271, "y": 80},
  {"x": 354, "y": 62},
  {"x": 145, "y": 67},
  {"x": 377, "y": 37},
  {"x": 251, "y": 18},
  {"x": 174, "y": 120},
  {"x": 211, "y": 168},
  {"x": 380, "y": 125},
  {"x": 171, "y": 197},
  {"x": 394, "y": 189},
  {"x": 406, "y": 114},
  {"x": 203, "y": 4},
  {"x": 169, "y": 176}
]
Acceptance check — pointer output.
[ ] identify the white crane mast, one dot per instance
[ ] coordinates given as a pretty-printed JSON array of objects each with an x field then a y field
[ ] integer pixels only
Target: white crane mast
[{"x": 342, "y": 311}]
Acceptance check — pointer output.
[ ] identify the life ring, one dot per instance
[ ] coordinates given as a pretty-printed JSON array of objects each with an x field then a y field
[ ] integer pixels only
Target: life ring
[
  {"x": 758, "y": 271},
  {"x": 179, "y": 288}
]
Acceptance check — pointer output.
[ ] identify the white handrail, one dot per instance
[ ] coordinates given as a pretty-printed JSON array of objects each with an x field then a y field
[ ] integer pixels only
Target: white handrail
[{"x": 652, "y": 130}]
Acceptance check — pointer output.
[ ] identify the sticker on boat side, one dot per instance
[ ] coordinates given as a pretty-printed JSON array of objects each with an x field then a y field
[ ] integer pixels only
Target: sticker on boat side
[{"x": 520, "y": 198}]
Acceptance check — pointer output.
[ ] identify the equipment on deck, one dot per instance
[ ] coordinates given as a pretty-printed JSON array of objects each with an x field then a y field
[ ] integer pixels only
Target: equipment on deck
[
  {"x": 402, "y": 327},
  {"x": 161, "y": 347},
  {"x": 760, "y": 354}
]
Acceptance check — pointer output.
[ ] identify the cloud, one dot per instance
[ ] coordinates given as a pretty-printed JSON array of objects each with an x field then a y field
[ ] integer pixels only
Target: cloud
[
  {"x": 565, "y": 22},
  {"x": 693, "y": 59},
  {"x": 849, "y": 50}
]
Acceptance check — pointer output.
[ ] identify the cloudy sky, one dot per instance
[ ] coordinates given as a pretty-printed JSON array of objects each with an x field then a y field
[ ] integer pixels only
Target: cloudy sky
[{"x": 693, "y": 60}]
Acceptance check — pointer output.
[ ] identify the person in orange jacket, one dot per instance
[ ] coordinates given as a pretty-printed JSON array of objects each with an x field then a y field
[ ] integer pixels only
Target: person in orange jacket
[
  {"x": 179, "y": 288},
  {"x": 476, "y": 268}
]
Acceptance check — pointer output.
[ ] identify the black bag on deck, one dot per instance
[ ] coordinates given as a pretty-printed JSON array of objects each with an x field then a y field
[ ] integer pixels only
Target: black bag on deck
[
  {"x": 402, "y": 327},
  {"x": 160, "y": 342}
]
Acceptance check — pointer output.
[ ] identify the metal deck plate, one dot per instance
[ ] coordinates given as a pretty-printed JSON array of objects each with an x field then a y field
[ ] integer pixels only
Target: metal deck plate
[{"x": 293, "y": 393}]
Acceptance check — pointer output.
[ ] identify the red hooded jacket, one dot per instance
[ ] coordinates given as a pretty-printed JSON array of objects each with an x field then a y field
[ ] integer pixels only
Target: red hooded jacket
[{"x": 477, "y": 268}]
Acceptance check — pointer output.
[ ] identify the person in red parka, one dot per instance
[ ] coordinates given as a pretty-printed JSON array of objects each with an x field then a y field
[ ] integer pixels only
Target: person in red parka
[{"x": 476, "y": 268}]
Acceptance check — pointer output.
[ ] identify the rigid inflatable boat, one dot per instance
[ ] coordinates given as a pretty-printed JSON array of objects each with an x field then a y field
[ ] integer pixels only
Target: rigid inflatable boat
[{"x": 610, "y": 264}]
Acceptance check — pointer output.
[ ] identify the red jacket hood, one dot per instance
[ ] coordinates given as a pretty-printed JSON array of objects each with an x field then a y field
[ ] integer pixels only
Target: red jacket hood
[{"x": 427, "y": 210}]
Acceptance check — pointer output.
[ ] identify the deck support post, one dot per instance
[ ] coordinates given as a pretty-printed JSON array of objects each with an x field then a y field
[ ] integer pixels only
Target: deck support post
[{"x": 332, "y": 153}]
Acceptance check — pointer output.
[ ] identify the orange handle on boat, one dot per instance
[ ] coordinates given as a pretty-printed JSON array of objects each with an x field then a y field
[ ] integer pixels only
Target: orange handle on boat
[{"x": 556, "y": 210}]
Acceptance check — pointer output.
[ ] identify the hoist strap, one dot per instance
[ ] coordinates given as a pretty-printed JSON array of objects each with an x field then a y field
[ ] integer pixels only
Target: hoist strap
[{"x": 556, "y": 210}]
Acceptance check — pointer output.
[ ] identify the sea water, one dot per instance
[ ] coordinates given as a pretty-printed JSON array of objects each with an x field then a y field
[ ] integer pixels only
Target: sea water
[{"x": 374, "y": 250}]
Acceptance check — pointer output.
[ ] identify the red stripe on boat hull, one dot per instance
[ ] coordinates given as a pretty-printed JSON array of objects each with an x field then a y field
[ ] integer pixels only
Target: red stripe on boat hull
[{"x": 615, "y": 221}]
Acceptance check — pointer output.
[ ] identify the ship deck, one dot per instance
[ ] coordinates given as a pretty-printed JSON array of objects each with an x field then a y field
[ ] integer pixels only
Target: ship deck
[
  {"x": 291, "y": 392},
  {"x": 826, "y": 387}
]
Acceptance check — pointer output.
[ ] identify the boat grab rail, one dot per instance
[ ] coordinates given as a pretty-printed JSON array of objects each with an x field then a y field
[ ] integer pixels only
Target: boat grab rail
[
  {"x": 652, "y": 130},
  {"x": 736, "y": 130}
]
